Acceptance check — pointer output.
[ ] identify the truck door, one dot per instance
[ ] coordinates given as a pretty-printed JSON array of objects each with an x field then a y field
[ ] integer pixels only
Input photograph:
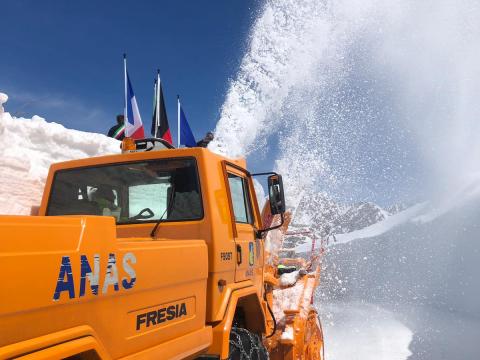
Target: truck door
[{"x": 246, "y": 248}]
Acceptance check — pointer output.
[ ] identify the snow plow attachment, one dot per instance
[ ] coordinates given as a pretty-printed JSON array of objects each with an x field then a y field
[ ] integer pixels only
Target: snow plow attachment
[{"x": 291, "y": 277}]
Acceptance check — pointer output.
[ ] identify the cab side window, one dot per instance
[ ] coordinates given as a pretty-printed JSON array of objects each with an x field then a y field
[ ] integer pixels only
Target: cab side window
[{"x": 242, "y": 208}]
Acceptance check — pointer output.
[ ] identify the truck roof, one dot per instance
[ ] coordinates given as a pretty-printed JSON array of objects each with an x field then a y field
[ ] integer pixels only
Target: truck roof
[{"x": 144, "y": 155}]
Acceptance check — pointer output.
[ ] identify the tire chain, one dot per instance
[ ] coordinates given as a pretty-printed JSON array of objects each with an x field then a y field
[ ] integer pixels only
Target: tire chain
[{"x": 255, "y": 345}]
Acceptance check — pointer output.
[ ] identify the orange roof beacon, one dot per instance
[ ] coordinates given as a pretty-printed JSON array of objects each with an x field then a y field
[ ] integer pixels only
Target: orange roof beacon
[{"x": 155, "y": 253}]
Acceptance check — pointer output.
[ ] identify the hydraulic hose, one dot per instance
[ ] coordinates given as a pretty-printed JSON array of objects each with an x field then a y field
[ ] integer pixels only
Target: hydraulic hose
[{"x": 271, "y": 313}]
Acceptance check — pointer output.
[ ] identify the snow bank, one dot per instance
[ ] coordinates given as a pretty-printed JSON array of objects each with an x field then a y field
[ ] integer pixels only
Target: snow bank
[
  {"x": 422, "y": 266},
  {"x": 360, "y": 331},
  {"x": 28, "y": 147}
]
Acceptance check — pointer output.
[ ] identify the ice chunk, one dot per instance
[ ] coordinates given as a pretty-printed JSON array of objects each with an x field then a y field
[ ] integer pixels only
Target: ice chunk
[
  {"x": 287, "y": 333},
  {"x": 289, "y": 279}
]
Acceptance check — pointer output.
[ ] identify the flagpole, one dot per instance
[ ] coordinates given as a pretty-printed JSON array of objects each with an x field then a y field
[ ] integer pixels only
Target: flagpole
[
  {"x": 125, "y": 112},
  {"x": 157, "y": 119},
  {"x": 154, "y": 122},
  {"x": 178, "y": 121}
]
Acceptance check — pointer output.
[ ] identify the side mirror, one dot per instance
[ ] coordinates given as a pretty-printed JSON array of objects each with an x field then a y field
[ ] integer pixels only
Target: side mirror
[
  {"x": 276, "y": 198},
  {"x": 276, "y": 194}
]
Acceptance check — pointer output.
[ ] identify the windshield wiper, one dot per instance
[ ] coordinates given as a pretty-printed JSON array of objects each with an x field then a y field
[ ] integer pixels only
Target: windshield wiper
[{"x": 167, "y": 211}]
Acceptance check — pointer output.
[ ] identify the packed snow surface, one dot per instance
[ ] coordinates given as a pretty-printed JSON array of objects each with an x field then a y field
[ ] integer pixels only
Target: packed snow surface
[
  {"x": 29, "y": 147},
  {"x": 359, "y": 331}
]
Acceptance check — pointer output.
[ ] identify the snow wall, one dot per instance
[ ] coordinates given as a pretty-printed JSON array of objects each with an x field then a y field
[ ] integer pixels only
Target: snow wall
[
  {"x": 422, "y": 269},
  {"x": 28, "y": 148}
]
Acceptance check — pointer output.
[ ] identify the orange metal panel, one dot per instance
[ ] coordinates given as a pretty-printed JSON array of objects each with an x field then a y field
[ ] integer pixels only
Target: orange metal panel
[
  {"x": 221, "y": 331},
  {"x": 173, "y": 272},
  {"x": 64, "y": 350},
  {"x": 31, "y": 345}
]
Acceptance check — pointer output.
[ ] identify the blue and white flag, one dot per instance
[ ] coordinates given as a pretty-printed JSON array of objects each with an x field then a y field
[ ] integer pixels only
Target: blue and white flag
[{"x": 185, "y": 133}]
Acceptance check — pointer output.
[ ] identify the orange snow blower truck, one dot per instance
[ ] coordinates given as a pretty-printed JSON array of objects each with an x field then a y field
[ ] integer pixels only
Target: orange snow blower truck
[{"x": 154, "y": 253}]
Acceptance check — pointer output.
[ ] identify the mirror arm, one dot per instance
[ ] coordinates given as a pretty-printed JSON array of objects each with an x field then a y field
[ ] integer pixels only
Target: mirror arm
[
  {"x": 259, "y": 233},
  {"x": 263, "y": 174}
]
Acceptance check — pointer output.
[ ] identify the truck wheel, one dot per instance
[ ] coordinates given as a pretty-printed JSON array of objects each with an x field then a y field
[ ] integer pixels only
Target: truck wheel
[{"x": 245, "y": 345}]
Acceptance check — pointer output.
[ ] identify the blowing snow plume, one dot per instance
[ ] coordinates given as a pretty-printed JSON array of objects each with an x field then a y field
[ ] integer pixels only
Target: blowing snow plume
[
  {"x": 373, "y": 96},
  {"x": 375, "y": 100},
  {"x": 293, "y": 88}
]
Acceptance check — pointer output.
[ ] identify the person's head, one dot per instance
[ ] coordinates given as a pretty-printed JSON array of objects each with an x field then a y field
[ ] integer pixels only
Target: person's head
[
  {"x": 209, "y": 136},
  {"x": 104, "y": 196},
  {"x": 120, "y": 119}
]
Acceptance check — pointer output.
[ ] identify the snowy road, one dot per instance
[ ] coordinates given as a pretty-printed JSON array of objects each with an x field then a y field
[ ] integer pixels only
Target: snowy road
[
  {"x": 408, "y": 291},
  {"x": 356, "y": 331},
  {"x": 370, "y": 332}
]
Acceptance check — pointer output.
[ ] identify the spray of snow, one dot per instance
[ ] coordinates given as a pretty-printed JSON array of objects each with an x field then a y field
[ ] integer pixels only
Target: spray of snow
[
  {"x": 29, "y": 146},
  {"x": 352, "y": 88},
  {"x": 366, "y": 96},
  {"x": 290, "y": 85}
]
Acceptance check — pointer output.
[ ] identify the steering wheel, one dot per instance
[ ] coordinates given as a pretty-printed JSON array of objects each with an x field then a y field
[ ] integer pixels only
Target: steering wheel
[{"x": 144, "y": 214}]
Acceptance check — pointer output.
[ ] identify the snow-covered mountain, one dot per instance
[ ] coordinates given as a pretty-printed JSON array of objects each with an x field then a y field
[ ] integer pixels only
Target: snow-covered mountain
[
  {"x": 359, "y": 216},
  {"x": 326, "y": 216},
  {"x": 396, "y": 208}
]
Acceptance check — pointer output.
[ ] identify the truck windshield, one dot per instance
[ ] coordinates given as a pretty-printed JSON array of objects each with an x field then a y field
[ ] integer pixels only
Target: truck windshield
[{"x": 134, "y": 192}]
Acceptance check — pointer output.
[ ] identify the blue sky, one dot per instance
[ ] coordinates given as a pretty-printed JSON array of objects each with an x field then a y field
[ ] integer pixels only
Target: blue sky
[{"x": 63, "y": 60}]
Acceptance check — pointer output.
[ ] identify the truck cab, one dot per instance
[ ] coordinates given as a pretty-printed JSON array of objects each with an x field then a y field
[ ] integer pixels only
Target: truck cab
[{"x": 144, "y": 254}]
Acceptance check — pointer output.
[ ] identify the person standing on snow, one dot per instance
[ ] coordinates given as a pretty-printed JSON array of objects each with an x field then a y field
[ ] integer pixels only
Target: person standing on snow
[{"x": 118, "y": 131}]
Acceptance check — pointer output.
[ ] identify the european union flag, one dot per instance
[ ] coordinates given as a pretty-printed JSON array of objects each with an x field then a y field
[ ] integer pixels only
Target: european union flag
[{"x": 186, "y": 135}]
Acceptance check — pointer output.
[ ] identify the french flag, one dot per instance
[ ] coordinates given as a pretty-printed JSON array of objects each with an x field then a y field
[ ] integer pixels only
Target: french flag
[{"x": 133, "y": 121}]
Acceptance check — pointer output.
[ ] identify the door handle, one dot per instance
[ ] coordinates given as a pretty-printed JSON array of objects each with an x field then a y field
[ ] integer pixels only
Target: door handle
[{"x": 239, "y": 254}]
